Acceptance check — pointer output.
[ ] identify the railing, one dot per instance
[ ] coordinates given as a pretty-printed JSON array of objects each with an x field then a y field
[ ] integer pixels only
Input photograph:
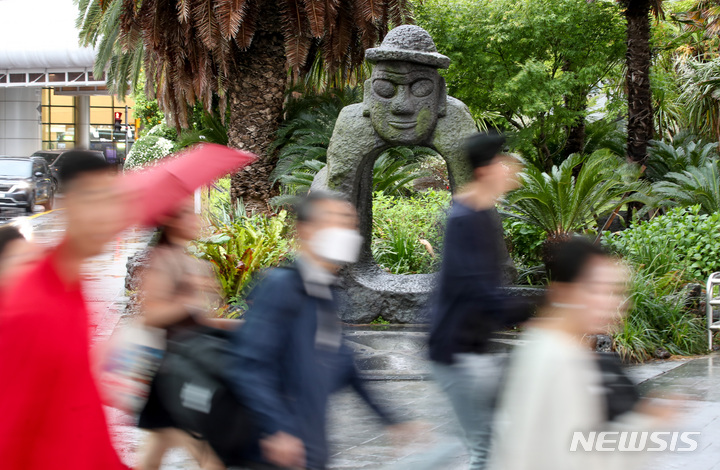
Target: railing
[{"x": 712, "y": 300}]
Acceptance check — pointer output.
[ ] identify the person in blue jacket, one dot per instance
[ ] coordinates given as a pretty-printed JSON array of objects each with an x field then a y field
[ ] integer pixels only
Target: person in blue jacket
[
  {"x": 290, "y": 355},
  {"x": 469, "y": 303}
]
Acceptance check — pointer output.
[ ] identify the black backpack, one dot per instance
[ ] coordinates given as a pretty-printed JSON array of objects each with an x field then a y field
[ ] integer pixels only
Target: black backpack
[{"x": 192, "y": 386}]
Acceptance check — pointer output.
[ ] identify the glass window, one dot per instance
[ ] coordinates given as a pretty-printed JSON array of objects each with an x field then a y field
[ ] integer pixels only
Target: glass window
[
  {"x": 15, "y": 168},
  {"x": 101, "y": 100},
  {"x": 58, "y": 120}
]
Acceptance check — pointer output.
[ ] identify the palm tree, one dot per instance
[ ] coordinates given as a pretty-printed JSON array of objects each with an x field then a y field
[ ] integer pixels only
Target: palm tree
[
  {"x": 240, "y": 50},
  {"x": 560, "y": 203},
  {"x": 637, "y": 79}
]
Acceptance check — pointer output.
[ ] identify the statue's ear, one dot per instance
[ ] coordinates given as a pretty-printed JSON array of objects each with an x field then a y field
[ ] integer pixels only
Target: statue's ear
[
  {"x": 366, "y": 97},
  {"x": 442, "y": 98}
]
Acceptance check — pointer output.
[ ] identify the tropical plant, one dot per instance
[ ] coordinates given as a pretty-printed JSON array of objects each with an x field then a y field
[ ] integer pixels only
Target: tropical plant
[
  {"x": 571, "y": 197},
  {"x": 242, "y": 247},
  {"x": 638, "y": 60},
  {"x": 677, "y": 156},
  {"x": 309, "y": 123},
  {"x": 192, "y": 50},
  {"x": 700, "y": 84},
  {"x": 408, "y": 231},
  {"x": 694, "y": 186},
  {"x": 212, "y": 130}
]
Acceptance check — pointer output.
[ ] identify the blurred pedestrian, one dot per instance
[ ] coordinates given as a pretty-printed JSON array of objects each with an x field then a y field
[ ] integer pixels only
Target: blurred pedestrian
[
  {"x": 555, "y": 386},
  {"x": 469, "y": 303},
  {"x": 177, "y": 293},
  {"x": 290, "y": 355},
  {"x": 51, "y": 415},
  {"x": 17, "y": 255}
]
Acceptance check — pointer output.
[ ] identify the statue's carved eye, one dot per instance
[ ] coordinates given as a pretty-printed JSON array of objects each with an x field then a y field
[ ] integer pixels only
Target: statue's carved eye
[
  {"x": 422, "y": 88},
  {"x": 384, "y": 88}
]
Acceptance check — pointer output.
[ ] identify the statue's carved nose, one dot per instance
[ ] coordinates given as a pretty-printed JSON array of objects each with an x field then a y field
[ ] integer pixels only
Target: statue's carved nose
[{"x": 401, "y": 102}]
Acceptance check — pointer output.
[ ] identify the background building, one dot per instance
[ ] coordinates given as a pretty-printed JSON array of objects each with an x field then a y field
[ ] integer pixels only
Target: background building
[{"x": 49, "y": 97}]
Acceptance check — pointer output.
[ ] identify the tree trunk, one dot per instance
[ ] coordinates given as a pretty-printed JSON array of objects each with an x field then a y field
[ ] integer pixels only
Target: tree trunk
[
  {"x": 638, "y": 59},
  {"x": 256, "y": 102}
]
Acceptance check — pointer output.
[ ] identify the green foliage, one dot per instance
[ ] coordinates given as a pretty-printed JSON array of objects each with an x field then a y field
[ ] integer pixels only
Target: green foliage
[
  {"x": 657, "y": 319},
  {"x": 666, "y": 253},
  {"x": 696, "y": 185},
  {"x": 149, "y": 149},
  {"x": 148, "y": 111},
  {"x": 560, "y": 203},
  {"x": 408, "y": 231},
  {"x": 164, "y": 131},
  {"x": 682, "y": 244},
  {"x": 241, "y": 245},
  {"x": 700, "y": 86},
  {"x": 524, "y": 242},
  {"x": 210, "y": 130},
  {"x": 685, "y": 150},
  {"x": 303, "y": 138},
  {"x": 532, "y": 62}
]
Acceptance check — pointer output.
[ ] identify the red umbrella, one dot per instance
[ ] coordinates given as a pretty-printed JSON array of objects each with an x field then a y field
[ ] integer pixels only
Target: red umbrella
[{"x": 157, "y": 191}]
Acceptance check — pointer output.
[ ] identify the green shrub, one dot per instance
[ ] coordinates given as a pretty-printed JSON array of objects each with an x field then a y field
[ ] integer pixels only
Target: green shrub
[
  {"x": 658, "y": 319},
  {"x": 525, "y": 243},
  {"x": 164, "y": 131},
  {"x": 244, "y": 246},
  {"x": 407, "y": 229},
  {"x": 683, "y": 242}
]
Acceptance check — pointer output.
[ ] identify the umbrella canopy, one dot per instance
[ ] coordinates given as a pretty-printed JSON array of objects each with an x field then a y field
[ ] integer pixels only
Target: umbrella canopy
[{"x": 158, "y": 191}]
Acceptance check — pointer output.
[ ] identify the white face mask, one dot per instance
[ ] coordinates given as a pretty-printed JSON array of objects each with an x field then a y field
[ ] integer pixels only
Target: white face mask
[{"x": 337, "y": 245}]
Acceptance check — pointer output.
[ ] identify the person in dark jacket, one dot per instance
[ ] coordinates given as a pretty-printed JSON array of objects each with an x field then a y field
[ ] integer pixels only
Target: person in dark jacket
[
  {"x": 470, "y": 303},
  {"x": 290, "y": 355}
]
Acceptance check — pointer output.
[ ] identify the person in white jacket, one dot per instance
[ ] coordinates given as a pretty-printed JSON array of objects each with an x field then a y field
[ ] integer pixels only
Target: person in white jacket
[{"x": 553, "y": 387}]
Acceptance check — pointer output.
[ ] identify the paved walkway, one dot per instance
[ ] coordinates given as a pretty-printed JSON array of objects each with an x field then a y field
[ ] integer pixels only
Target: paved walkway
[{"x": 358, "y": 442}]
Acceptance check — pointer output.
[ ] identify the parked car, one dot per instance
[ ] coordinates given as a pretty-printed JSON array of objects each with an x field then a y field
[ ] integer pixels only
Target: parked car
[
  {"x": 55, "y": 159},
  {"x": 24, "y": 182}
]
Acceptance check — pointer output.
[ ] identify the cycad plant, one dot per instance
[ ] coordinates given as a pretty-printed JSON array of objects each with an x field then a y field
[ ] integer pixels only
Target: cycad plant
[
  {"x": 308, "y": 127},
  {"x": 677, "y": 156},
  {"x": 211, "y": 130},
  {"x": 694, "y": 186},
  {"x": 571, "y": 197}
]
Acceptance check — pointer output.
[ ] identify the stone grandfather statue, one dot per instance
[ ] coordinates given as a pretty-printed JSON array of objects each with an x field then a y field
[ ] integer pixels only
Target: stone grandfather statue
[{"x": 405, "y": 104}]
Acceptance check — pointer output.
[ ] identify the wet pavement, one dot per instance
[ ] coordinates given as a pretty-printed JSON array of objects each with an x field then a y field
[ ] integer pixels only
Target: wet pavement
[{"x": 394, "y": 360}]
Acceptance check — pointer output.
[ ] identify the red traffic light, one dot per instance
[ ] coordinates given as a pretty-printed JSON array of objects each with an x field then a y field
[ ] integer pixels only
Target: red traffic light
[{"x": 118, "y": 116}]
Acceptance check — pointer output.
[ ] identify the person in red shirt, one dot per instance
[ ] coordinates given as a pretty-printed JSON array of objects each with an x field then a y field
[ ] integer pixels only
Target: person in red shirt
[{"x": 51, "y": 416}]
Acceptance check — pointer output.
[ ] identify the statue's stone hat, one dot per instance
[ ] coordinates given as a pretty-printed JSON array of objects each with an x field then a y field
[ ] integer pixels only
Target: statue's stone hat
[{"x": 408, "y": 43}]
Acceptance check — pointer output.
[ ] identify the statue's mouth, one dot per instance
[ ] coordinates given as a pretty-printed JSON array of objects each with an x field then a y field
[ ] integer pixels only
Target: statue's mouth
[{"x": 403, "y": 124}]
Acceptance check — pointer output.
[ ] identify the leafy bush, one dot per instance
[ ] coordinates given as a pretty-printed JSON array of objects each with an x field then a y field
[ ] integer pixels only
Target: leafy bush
[
  {"x": 407, "y": 231},
  {"x": 164, "y": 131},
  {"x": 525, "y": 244},
  {"x": 684, "y": 243},
  {"x": 694, "y": 186},
  {"x": 148, "y": 150},
  {"x": 658, "y": 319},
  {"x": 240, "y": 246}
]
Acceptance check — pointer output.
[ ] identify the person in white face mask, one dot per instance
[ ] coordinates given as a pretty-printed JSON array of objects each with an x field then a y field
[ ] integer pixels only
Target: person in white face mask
[{"x": 290, "y": 355}]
